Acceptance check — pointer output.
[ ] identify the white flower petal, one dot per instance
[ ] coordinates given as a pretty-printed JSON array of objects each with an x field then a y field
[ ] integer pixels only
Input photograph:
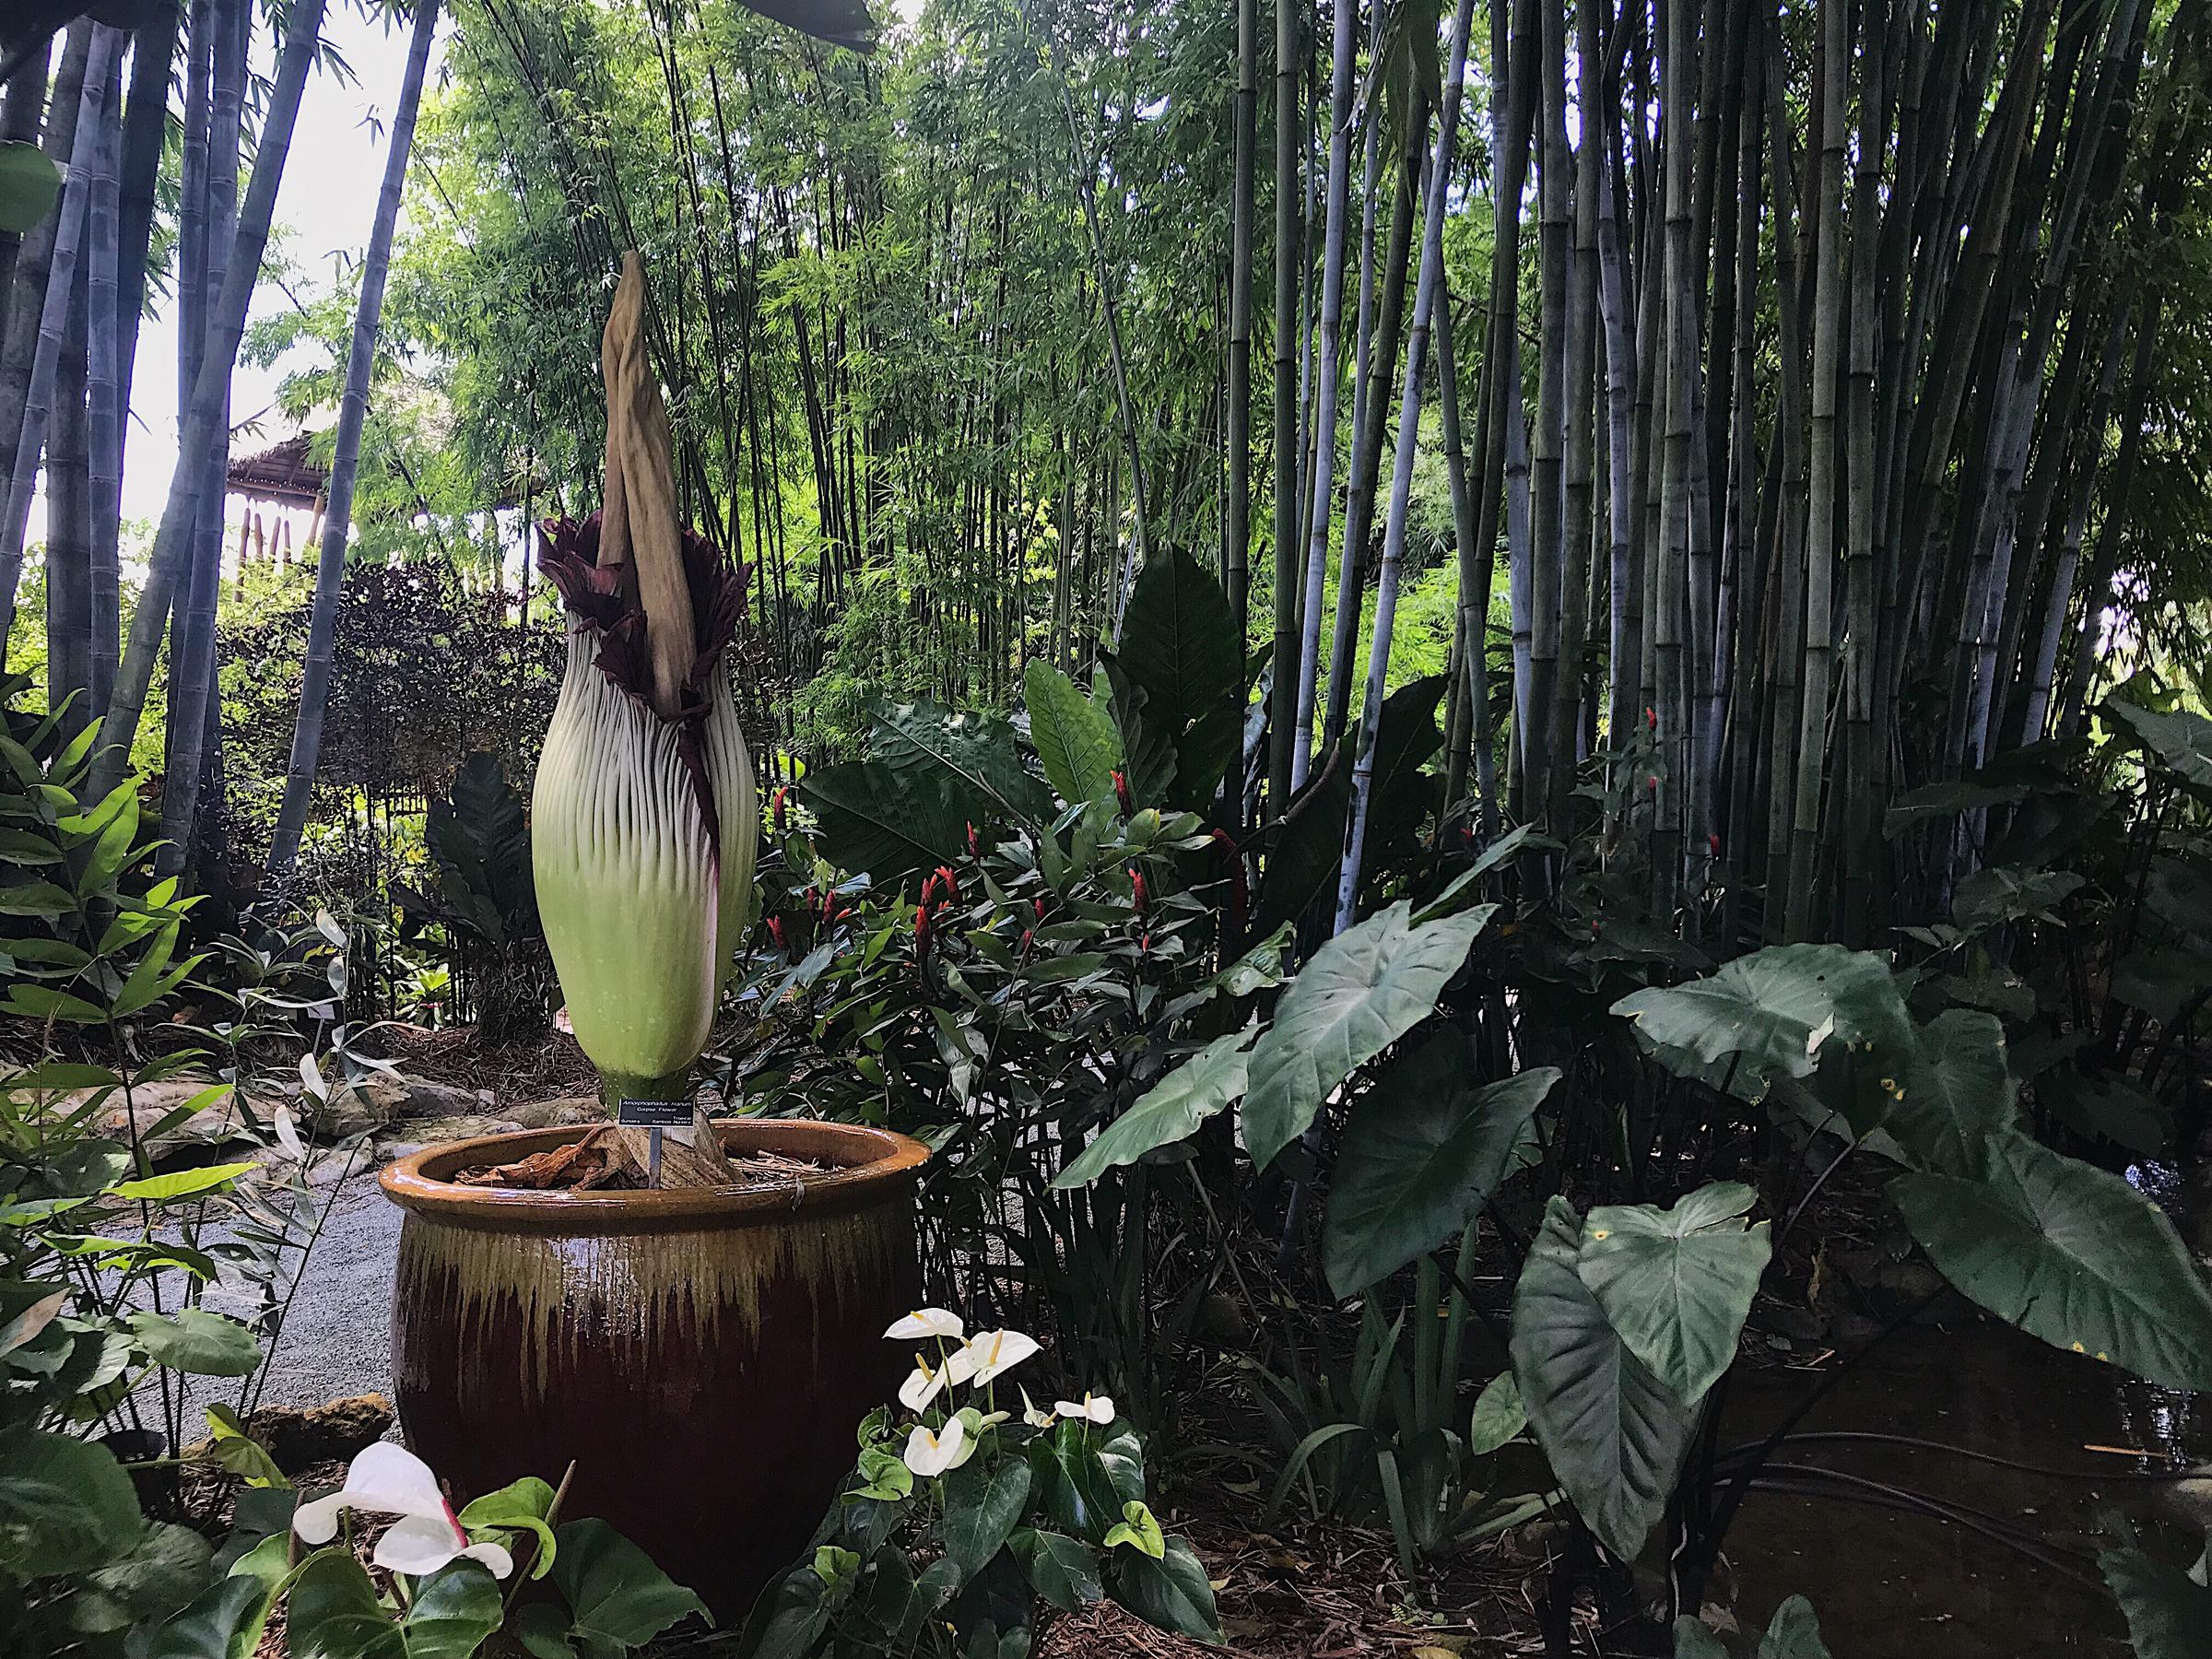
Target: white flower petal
[
  {"x": 924, "y": 1323},
  {"x": 316, "y": 1522},
  {"x": 929, "y": 1453},
  {"x": 416, "y": 1544},
  {"x": 392, "y": 1480},
  {"x": 921, "y": 1387},
  {"x": 1090, "y": 1408},
  {"x": 991, "y": 1354},
  {"x": 493, "y": 1556},
  {"x": 1032, "y": 1415}
]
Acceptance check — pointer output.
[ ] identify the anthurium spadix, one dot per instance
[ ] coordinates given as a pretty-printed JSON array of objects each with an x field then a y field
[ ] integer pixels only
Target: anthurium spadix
[{"x": 643, "y": 818}]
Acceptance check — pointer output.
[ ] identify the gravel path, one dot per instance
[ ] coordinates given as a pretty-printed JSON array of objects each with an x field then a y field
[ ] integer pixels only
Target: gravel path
[{"x": 337, "y": 1338}]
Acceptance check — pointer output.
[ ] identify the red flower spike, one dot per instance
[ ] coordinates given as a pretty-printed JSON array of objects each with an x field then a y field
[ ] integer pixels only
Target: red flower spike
[
  {"x": 1038, "y": 906},
  {"x": 929, "y": 889},
  {"x": 950, "y": 882},
  {"x": 1029, "y": 937},
  {"x": 1651, "y": 718},
  {"x": 775, "y": 931},
  {"x": 975, "y": 846},
  {"x": 1121, "y": 794},
  {"x": 921, "y": 931},
  {"x": 780, "y": 809},
  {"x": 1652, "y": 782},
  {"x": 1143, "y": 944},
  {"x": 1712, "y": 843},
  {"x": 1142, "y": 895}
]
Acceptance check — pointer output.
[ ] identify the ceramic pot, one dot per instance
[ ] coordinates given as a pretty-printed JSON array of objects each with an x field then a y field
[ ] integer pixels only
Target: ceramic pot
[{"x": 703, "y": 1355}]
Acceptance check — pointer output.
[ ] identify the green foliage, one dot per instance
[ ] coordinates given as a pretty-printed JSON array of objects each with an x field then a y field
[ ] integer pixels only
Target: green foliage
[{"x": 1039, "y": 1507}]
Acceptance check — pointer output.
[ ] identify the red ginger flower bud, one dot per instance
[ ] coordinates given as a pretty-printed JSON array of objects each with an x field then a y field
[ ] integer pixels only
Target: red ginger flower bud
[
  {"x": 1121, "y": 793},
  {"x": 975, "y": 845},
  {"x": 781, "y": 807},
  {"x": 775, "y": 931},
  {"x": 1142, "y": 893}
]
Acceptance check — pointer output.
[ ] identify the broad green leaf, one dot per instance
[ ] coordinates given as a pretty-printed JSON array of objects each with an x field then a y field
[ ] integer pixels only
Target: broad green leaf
[
  {"x": 1423, "y": 1151},
  {"x": 1677, "y": 1284},
  {"x": 1171, "y": 1594},
  {"x": 1957, "y": 1091},
  {"x": 2069, "y": 1254},
  {"x": 2000, "y": 893},
  {"x": 1180, "y": 641},
  {"x": 1693, "y": 1641},
  {"x": 2168, "y": 1613},
  {"x": 984, "y": 1500},
  {"x": 65, "y": 1505},
  {"x": 521, "y": 1506},
  {"x": 1460, "y": 891},
  {"x": 332, "y": 1612},
  {"x": 1615, "y": 1434},
  {"x": 1137, "y": 1529},
  {"x": 194, "y": 1340},
  {"x": 169, "y": 1566},
  {"x": 26, "y": 1307},
  {"x": 2183, "y": 740},
  {"x": 1064, "y": 1570},
  {"x": 29, "y": 185},
  {"x": 2109, "y": 1107},
  {"x": 1076, "y": 738},
  {"x": 36, "y": 899},
  {"x": 1793, "y": 1633},
  {"x": 225, "y": 1621},
  {"x": 185, "y": 1184},
  {"x": 2161, "y": 982},
  {"x": 1945, "y": 801},
  {"x": 1499, "y": 1416},
  {"x": 840, "y": 22},
  {"x": 455, "y": 1611},
  {"x": 1306, "y": 850},
  {"x": 42, "y": 1002},
  {"x": 890, "y": 823},
  {"x": 978, "y": 751},
  {"x": 615, "y": 1592},
  {"x": 236, "y": 1450},
  {"x": 1361, "y": 993},
  {"x": 1772, "y": 1011},
  {"x": 1168, "y": 1112}
]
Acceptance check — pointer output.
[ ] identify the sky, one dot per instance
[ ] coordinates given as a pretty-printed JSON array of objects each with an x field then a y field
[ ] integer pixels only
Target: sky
[{"x": 326, "y": 204}]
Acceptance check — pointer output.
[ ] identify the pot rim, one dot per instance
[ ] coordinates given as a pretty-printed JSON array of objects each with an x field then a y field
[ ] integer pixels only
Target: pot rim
[{"x": 874, "y": 1165}]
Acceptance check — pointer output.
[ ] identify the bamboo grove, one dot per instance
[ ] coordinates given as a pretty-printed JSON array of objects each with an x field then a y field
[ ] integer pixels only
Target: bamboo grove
[{"x": 1761, "y": 412}]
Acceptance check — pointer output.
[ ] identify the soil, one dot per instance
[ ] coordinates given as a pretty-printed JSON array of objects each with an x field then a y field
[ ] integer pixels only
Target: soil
[{"x": 600, "y": 1162}]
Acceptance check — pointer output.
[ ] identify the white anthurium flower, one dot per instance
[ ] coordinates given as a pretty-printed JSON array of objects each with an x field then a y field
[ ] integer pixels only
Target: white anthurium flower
[
  {"x": 989, "y": 1355},
  {"x": 930, "y": 1452},
  {"x": 1032, "y": 1415},
  {"x": 386, "y": 1480},
  {"x": 926, "y": 1323},
  {"x": 1090, "y": 1408},
  {"x": 923, "y": 1386}
]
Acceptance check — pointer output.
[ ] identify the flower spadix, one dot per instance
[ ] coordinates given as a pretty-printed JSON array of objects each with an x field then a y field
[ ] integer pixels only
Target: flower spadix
[
  {"x": 384, "y": 1479},
  {"x": 643, "y": 818}
]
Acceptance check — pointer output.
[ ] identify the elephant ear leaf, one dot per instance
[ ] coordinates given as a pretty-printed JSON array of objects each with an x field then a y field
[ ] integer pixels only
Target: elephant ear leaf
[
  {"x": 1362, "y": 991},
  {"x": 2069, "y": 1254},
  {"x": 1616, "y": 1435},
  {"x": 1422, "y": 1154},
  {"x": 2168, "y": 1613},
  {"x": 29, "y": 184},
  {"x": 1074, "y": 736},
  {"x": 1677, "y": 1284}
]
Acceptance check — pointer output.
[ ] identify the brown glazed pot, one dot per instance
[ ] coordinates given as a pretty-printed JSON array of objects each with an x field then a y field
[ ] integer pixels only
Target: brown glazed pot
[{"x": 704, "y": 1356}]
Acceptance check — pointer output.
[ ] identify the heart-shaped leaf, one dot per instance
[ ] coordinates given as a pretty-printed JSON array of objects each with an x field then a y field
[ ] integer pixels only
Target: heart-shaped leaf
[
  {"x": 1361, "y": 993},
  {"x": 1168, "y": 1112},
  {"x": 2069, "y": 1254},
  {"x": 1422, "y": 1154},
  {"x": 1615, "y": 1434},
  {"x": 1677, "y": 1283}
]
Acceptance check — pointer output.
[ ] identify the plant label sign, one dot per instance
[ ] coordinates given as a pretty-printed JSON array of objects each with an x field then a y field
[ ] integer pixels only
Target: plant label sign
[{"x": 654, "y": 1114}]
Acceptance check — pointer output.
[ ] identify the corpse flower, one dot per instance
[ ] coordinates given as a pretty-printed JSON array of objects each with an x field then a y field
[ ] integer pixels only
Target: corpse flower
[
  {"x": 386, "y": 1480},
  {"x": 643, "y": 817}
]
